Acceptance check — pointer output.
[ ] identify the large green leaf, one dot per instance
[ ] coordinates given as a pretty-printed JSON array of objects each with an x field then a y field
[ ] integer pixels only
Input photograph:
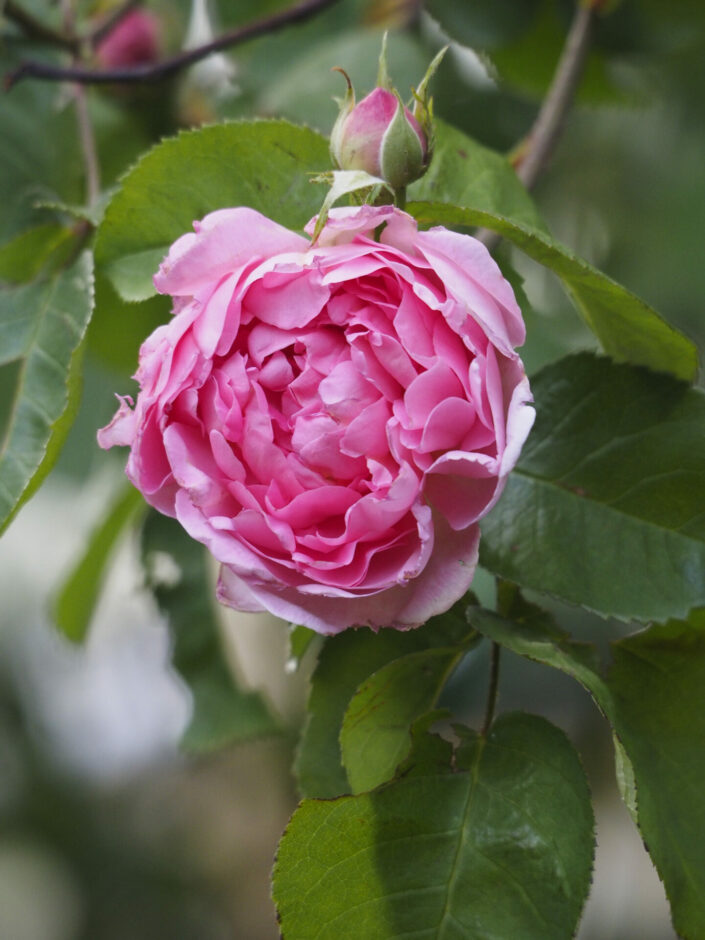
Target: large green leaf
[
  {"x": 76, "y": 600},
  {"x": 606, "y": 507},
  {"x": 41, "y": 329},
  {"x": 653, "y": 698},
  {"x": 376, "y": 733},
  {"x": 627, "y": 328},
  {"x": 465, "y": 173},
  {"x": 501, "y": 848},
  {"x": 657, "y": 684},
  {"x": 262, "y": 164},
  {"x": 344, "y": 663},
  {"x": 222, "y": 712}
]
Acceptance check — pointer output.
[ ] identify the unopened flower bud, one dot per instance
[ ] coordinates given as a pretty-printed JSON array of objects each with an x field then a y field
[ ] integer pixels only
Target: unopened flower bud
[
  {"x": 134, "y": 40},
  {"x": 382, "y": 136}
]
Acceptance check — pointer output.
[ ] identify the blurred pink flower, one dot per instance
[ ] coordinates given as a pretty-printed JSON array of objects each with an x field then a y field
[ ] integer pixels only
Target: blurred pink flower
[
  {"x": 135, "y": 40},
  {"x": 330, "y": 421}
]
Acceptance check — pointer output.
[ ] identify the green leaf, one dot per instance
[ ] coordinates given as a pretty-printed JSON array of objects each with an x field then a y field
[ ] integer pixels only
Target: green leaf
[
  {"x": 502, "y": 848},
  {"x": 41, "y": 329},
  {"x": 627, "y": 328},
  {"x": 75, "y": 602},
  {"x": 657, "y": 683},
  {"x": 176, "y": 570},
  {"x": 264, "y": 164},
  {"x": 376, "y": 733},
  {"x": 653, "y": 697},
  {"x": 118, "y": 328},
  {"x": 344, "y": 663},
  {"x": 485, "y": 23},
  {"x": 606, "y": 507},
  {"x": 465, "y": 173},
  {"x": 300, "y": 641},
  {"x": 24, "y": 256}
]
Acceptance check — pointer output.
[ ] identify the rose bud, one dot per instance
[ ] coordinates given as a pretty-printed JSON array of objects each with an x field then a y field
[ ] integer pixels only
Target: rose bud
[
  {"x": 382, "y": 136},
  {"x": 330, "y": 419},
  {"x": 134, "y": 40}
]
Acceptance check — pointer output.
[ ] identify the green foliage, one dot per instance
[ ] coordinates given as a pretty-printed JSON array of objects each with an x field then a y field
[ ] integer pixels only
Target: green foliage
[
  {"x": 501, "y": 847},
  {"x": 627, "y": 328},
  {"x": 223, "y": 713},
  {"x": 344, "y": 663},
  {"x": 77, "y": 598},
  {"x": 265, "y": 165},
  {"x": 41, "y": 330},
  {"x": 606, "y": 507},
  {"x": 657, "y": 677},
  {"x": 376, "y": 733},
  {"x": 23, "y": 257}
]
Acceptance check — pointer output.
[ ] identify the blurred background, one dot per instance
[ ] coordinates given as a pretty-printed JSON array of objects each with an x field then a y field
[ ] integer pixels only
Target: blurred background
[{"x": 106, "y": 830}]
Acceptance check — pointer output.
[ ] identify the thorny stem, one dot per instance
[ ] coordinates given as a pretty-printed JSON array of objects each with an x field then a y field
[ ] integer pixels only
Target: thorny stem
[
  {"x": 166, "y": 67},
  {"x": 88, "y": 149},
  {"x": 536, "y": 148},
  {"x": 492, "y": 691}
]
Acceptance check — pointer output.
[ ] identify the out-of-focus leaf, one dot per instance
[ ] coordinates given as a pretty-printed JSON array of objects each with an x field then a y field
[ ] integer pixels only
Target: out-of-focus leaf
[
  {"x": 264, "y": 164},
  {"x": 627, "y": 328},
  {"x": 76, "y": 600},
  {"x": 376, "y": 733},
  {"x": 501, "y": 848},
  {"x": 39, "y": 155},
  {"x": 118, "y": 328},
  {"x": 25, "y": 255},
  {"x": 344, "y": 663},
  {"x": 41, "y": 331},
  {"x": 606, "y": 507},
  {"x": 484, "y": 24},
  {"x": 223, "y": 713},
  {"x": 653, "y": 697}
]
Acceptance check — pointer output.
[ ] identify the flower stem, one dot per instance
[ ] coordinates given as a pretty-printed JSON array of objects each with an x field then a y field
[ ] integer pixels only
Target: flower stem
[{"x": 492, "y": 690}]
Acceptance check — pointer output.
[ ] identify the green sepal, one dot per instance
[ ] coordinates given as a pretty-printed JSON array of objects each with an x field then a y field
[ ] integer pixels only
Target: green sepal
[{"x": 401, "y": 158}]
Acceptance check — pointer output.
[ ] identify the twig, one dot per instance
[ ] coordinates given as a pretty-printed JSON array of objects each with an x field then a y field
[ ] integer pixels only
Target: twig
[
  {"x": 536, "y": 148},
  {"x": 35, "y": 29},
  {"x": 492, "y": 691},
  {"x": 111, "y": 21},
  {"x": 551, "y": 118},
  {"x": 158, "y": 71}
]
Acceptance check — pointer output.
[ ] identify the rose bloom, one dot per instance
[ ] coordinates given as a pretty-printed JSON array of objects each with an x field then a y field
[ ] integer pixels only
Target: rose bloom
[{"x": 331, "y": 420}]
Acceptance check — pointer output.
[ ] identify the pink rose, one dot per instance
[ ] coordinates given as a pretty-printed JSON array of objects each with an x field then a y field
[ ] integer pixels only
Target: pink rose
[{"x": 330, "y": 421}]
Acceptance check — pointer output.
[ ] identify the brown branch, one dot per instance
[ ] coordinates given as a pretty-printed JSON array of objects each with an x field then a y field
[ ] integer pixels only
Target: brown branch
[
  {"x": 550, "y": 121},
  {"x": 35, "y": 29},
  {"x": 159, "y": 71}
]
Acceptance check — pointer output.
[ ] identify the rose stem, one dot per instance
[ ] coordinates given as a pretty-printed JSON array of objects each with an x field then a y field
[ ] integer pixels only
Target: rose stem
[{"x": 492, "y": 690}]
